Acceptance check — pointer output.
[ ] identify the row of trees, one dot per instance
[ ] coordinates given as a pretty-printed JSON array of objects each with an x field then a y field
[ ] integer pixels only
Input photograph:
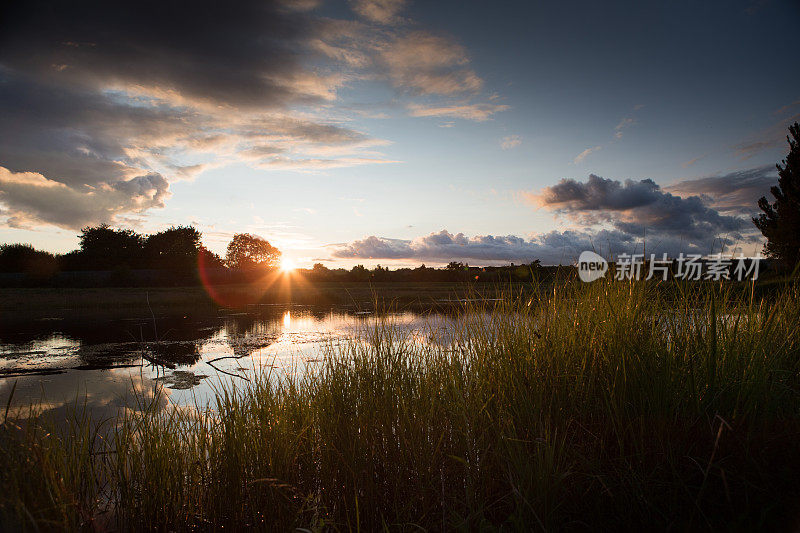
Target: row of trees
[
  {"x": 177, "y": 249},
  {"x": 455, "y": 271}
]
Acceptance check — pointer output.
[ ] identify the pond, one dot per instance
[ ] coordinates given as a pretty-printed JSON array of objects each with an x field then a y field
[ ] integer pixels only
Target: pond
[{"x": 105, "y": 365}]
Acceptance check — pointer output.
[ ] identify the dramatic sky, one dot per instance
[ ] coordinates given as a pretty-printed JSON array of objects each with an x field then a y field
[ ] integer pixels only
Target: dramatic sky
[{"x": 397, "y": 131}]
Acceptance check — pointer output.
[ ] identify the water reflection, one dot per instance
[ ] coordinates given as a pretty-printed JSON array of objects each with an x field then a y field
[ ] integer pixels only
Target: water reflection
[
  {"x": 102, "y": 392},
  {"x": 176, "y": 360}
]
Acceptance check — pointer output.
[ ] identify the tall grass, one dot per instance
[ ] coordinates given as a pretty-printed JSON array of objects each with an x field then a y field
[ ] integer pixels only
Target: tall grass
[{"x": 585, "y": 406}]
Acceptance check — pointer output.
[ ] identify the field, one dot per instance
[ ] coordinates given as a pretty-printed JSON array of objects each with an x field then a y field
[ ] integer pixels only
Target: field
[{"x": 573, "y": 406}]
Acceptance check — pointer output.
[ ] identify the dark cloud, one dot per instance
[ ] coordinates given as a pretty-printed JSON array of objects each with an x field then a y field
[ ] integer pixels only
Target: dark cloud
[
  {"x": 81, "y": 138},
  {"x": 640, "y": 208},
  {"x": 555, "y": 247},
  {"x": 734, "y": 193},
  {"x": 599, "y": 194},
  {"x": 688, "y": 217},
  {"x": 243, "y": 53}
]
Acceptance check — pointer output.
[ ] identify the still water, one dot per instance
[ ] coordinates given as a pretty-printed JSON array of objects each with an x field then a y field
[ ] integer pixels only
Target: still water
[{"x": 104, "y": 366}]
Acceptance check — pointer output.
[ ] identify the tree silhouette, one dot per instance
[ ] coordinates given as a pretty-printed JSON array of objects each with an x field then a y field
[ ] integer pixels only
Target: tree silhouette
[
  {"x": 780, "y": 221},
  {"x": 24, "y": 258},
  {"x": 359, "y": 273},
  {"x": 209, "y": 259},
  {"x": 248, "y": 252},
  {"x": 103, "y": 248},
  {"x": 175, "y": 248}
]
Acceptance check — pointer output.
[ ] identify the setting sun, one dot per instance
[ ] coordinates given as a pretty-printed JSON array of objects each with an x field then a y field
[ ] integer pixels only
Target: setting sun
[{"x": 287, "y": 264}]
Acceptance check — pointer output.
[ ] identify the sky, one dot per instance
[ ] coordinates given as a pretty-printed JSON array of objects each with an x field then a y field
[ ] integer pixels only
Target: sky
[{"x": 398, "y": 132}]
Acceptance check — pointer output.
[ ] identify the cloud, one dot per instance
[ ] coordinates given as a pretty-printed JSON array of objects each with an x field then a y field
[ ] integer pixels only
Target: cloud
[
  {"x": 245, "y": 53},
  {"x": 260, "y": 151},
  {"x": 639, "y": 207},
  {"x": 734, "y": 193},
  {"x": 285, "y": 163},
  {"x": 82, "y": 138},
  {"x": 426, "y": 63},
  {"x": 111, "y": 393},
  {"x": 771, "y": 137},
  {"x": 617, "y": 217},
  {"x": 624, "y": 123},
  {"x": 96, "y": 96},
  {"x": 747, "y": 150},
  {"x": 476, "y": 112},
  {"x": 106, "y": 101},
  {"x": 581, "y": 156},
  {"x": 380, "y": 11},
  {"x": 413, "y": 61},
  {"x": 96, "y": 140},
  {"x": 90, "y": 101},
  {"x": 598, "y": 194},
  {"x": 555, "y": 247},
  {"x": 31, "y": 199},
  {"x": 691, "y": 162},
  {"x": 510, "y": 141},
  {"x": 442, "y": 247},
  {"x": 375, "y": 248}
]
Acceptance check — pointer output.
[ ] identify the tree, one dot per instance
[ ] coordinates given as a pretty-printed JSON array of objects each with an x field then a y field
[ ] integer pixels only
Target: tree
[
  {"x": 175, "y": 248},
  {"x": 209, "y": 259},
  {"x": 248, "y": 252},
  {"x": 359, "y": 273},
  {"x": 780, "y": 221},
  {"x": 26, "y": 259},
  {"x": 105, "y": 248}
]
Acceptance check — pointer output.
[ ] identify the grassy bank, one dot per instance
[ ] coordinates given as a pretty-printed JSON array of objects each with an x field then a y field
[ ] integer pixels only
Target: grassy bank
[
  {"x": 609, "y": 405},
  {"x": 27, "y": 303}
]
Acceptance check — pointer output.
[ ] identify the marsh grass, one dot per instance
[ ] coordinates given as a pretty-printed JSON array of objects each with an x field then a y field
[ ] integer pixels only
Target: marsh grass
[{"x": 608, "y": 405}]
